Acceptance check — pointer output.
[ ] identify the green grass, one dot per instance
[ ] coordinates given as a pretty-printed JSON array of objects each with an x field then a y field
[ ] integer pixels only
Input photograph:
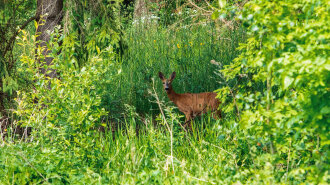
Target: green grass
[
  {"x": 186, "y": 51},
  {"x": 215, "y": 152},
  {"x": 210, "y": 154}
]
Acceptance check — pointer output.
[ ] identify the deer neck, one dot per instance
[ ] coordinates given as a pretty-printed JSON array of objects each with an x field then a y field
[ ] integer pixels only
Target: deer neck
[{"x": 172, "y": 95}]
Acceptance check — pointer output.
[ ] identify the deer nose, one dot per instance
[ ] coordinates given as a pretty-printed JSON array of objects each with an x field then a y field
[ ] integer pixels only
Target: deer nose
[{"x": 166, "y": 88}]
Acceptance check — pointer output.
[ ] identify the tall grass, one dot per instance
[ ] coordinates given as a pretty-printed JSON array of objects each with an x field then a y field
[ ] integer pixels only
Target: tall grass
[
  {"x": 207, "y": 156},
  {"x": 186, "y": 50}
]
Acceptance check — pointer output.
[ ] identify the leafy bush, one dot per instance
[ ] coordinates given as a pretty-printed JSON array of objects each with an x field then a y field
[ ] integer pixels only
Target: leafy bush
[
  {"x": 282, "y": 76},
  {"x": 64, "y": 112},
  {"x": 66, "y": 109}
]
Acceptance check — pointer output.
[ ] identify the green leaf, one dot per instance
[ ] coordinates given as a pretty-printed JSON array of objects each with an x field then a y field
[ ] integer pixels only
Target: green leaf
[
  {"x": 327, "y": 67},
  {"x": 215, "y": 15},
  {"x": 287, "y": 81},
  {"x": 325, "y": 110},
  {"x": 222, "y": 3},
  {"x": 98, "y": 50},
  {"x": 35, "y": 24}
]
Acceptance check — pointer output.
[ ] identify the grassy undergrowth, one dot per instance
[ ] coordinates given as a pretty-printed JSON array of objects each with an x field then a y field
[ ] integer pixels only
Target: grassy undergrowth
[{"x": 214, "y": 153}]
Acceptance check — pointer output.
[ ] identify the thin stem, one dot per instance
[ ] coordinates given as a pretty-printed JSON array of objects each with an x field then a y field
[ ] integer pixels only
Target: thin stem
[
  {"x": 288, "y": 163},
  {"x": 167, "y": 125}
]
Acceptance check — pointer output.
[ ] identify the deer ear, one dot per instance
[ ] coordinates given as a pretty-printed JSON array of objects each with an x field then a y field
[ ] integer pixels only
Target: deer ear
[
  {"x": 173, "y": 75},
  {"x": 161, "y": 76}
]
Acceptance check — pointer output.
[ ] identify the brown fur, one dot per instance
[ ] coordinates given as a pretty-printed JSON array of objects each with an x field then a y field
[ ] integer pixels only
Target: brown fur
[{"x": 192, "y": 104}]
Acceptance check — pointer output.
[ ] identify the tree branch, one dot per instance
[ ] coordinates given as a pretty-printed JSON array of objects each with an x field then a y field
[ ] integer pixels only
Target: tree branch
[{"x": 11, "y": 40}]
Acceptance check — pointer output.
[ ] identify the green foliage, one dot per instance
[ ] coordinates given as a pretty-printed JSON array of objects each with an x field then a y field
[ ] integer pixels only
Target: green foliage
[
  {"x": 211, "y": 154},
  {"x": 274, "y": 92},
  {"x": 282, "y": 77},
  {"x": 14, "y": 15},
  {"x": 93, "y": 26},
  {"x": 66, "y": 109}
]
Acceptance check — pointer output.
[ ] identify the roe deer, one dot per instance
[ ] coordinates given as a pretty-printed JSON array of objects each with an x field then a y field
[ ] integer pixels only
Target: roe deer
[{"x": 191, "y": 104}]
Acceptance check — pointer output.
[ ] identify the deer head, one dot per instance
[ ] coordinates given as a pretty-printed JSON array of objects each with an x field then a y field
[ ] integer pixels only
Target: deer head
[{"x": 167, "y": 82}]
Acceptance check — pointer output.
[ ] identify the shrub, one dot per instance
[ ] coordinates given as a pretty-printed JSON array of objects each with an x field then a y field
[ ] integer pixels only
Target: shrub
[{"x": 282, "y": 75}]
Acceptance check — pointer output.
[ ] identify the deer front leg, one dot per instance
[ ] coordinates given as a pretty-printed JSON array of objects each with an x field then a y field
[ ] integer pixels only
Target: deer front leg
[
  {"x": 188, "y": 120},
  {"x": 219, "y": 114},
  {"x": 216, "y": 114}
]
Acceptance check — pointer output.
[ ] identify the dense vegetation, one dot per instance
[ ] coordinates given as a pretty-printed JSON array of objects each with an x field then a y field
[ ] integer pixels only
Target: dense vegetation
[{"x": 105, "y": 119}]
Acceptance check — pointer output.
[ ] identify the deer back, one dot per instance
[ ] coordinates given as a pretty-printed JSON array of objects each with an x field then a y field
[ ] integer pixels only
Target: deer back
[{"x": 196, "y": 103}]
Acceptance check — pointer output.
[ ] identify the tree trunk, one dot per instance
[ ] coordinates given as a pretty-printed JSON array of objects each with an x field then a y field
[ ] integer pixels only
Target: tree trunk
[{"x": 49, "y": 14}]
